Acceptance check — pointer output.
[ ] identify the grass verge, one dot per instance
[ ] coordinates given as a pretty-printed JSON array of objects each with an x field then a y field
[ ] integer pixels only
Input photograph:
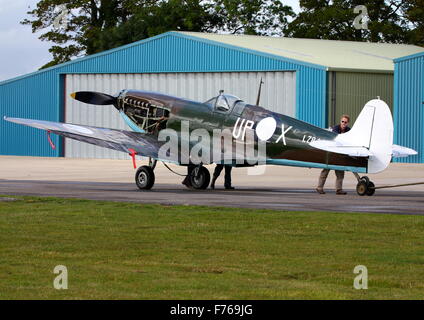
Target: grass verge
[{"x": 136, "y": 251}]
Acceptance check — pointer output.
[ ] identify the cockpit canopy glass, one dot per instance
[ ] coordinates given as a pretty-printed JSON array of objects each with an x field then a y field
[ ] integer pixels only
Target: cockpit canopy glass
[{"x": 223, "y": 102}]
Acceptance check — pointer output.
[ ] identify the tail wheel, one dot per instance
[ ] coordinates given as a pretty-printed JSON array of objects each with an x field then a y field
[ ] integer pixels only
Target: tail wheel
[
  {"x": 145, "y": 178},
  {"x": 370, "y": 190},
  {"x": 200, "y": 178},
  {"x": 365, "y": 179},
  {"x": 365, "y": 187},
  {"x": 361, "y": 188}
]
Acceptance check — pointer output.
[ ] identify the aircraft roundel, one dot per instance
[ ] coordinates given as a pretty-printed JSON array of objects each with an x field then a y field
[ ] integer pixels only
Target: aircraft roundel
[{"x": 266, "y": 128}]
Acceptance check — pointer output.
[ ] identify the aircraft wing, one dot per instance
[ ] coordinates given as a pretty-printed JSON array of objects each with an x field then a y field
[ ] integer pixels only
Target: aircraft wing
[{"x": 143, "y": 144}]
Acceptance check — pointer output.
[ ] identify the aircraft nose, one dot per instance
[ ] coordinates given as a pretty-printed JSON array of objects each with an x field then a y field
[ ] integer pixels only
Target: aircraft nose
[{"x": 92, "y": 97}]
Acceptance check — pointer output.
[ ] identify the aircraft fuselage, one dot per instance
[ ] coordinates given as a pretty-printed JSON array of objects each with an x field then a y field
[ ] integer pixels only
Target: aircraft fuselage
[{"x": 287, "y": 139}]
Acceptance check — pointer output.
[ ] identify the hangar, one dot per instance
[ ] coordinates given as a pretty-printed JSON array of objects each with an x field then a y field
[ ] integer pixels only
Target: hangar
[{"x": 312, "y": 80}]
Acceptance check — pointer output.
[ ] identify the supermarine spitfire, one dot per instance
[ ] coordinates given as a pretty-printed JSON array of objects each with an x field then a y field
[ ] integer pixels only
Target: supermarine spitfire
[{"x": 366, "y": 148}]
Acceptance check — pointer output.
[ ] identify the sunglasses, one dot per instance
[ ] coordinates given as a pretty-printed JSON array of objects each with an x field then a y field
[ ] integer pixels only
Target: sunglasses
[{"x": 344, "y": 122}]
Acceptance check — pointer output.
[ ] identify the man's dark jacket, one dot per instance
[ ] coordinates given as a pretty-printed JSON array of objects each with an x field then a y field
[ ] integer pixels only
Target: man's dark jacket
[{"x": 338, "y": 129}]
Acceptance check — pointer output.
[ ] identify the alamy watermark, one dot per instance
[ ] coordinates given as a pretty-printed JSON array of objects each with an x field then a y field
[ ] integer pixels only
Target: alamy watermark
[
  {"x": 199, "y": 146},
  {"x": 361, "y": 280},
  {"x": 361, "y": 20},
  {"x": 61, "y": 21},
  {"x": 61, "y": 281}
]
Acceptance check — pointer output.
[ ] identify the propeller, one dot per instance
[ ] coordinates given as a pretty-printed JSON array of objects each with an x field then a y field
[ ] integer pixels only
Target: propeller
[{"x": 94, "y": 98}]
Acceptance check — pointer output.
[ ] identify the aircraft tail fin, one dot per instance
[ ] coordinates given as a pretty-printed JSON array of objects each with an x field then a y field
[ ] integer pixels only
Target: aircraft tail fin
[{"x": 373, "y": 130}]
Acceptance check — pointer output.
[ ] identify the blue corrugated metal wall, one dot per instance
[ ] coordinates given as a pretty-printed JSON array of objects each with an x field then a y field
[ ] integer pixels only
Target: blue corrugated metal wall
[
  {"x": 35, "y": 97},
  {"x": 40, "y": 95},
  {"x": 408, "y": 105}
]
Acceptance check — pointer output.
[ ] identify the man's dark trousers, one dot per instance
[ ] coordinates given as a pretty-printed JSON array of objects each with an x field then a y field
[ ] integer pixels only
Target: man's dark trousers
[{"x": 227, "y": 176}]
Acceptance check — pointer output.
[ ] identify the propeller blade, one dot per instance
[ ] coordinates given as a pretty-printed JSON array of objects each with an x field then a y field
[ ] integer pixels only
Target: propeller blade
[{"x": 94, "y": 98}]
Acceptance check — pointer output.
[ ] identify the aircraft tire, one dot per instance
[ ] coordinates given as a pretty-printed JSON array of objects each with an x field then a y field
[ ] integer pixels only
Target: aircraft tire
[
  {"x": 200, "y": 178},
  {"x": 365, "y": 179},
  {"x": 145, "y": 178},
  {"x": 362, "y": 188},
  {"x": 370, "y": 189}
]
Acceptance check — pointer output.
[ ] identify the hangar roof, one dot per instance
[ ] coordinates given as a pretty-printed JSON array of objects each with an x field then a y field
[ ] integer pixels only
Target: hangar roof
[
  {"x": 319, "y": 54},
  {"x": 334, "y": 54},
  {"x": 413, "y": 56}
]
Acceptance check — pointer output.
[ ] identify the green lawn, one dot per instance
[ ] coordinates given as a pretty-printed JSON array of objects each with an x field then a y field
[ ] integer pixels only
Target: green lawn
[{"x": 135, "y": 251}]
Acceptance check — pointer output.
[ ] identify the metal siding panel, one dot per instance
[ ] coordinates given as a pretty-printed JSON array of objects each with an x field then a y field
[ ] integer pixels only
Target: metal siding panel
[
  {"x": 100, "y": 116},
  {"x": 36, "y": 98},
  {"x": 409, "y": 114},
  {"x": 311, "y": 95}
]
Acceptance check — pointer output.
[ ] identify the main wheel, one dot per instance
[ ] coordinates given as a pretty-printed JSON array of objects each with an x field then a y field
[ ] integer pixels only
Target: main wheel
[
  {"x": 361, "y": 188},
  {"x": 200, "y": 178},
  {"x": 370, "y": 190},
  {"x": 145, "y": 178}
]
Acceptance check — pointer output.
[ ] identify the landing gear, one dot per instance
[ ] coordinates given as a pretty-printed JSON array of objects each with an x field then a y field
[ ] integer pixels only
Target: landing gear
[
  {"x": 361, "y": 188},
  {"x": 200, "y": 177},
  {"x": 364, "y": 186},
  {"x": 371, "y": 189},
  {"x": 145, "y": 176}
]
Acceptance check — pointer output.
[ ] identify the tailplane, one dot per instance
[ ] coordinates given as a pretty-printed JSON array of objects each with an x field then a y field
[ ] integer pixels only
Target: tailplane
[
  {"x": 371, "y": 136},
  {"x": 373, "y": 130}
]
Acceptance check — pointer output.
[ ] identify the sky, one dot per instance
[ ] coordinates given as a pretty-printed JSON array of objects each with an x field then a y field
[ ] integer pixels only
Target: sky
[{"x": 21, "y": 51}]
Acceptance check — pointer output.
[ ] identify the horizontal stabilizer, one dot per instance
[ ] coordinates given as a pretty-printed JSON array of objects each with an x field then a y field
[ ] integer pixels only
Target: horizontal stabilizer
[
  {"x": 400, "y": 152},
  {"x": 338, "y": 147}
]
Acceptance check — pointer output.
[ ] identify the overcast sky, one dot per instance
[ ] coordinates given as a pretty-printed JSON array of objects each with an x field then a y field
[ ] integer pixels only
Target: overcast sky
[{"x": 21, "y": 51}]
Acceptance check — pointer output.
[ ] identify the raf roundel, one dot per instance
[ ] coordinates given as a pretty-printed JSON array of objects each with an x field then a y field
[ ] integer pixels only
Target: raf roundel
[{"x": 266, "y": 128}]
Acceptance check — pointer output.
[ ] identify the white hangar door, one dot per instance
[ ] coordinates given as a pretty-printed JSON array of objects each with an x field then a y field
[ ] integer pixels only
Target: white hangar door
[{"x": 278, "y": 94}]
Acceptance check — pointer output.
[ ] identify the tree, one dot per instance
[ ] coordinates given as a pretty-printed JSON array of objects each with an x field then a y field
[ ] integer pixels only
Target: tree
[
  {"x": 148, "y": 21},
  {"x": 255, "y": 17},
  {"x": 96, "y": 25},
  {"x": 414, "y": 13},
  {"x": 325, "y": 19},
  {"x": 86, "y": 19}
]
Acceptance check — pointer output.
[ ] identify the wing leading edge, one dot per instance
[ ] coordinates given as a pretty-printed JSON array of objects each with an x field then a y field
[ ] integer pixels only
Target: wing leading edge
[{"x": 121, "y": 140}]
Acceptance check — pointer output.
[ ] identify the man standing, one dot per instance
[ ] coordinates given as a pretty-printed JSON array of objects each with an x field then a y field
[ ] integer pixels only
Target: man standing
[
  {"x": 217, "y": 172},
  {"x": 340, "y": 128}
]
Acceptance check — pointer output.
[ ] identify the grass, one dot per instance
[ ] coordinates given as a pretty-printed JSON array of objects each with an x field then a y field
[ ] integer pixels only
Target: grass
[{"x": 136, "y": 251}]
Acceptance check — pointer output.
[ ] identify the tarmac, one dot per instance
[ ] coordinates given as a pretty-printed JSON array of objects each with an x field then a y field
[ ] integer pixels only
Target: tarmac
[{"x": 278, "y": 188}]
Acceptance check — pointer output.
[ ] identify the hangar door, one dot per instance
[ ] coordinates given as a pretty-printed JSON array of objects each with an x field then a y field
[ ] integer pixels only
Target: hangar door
[
  {"x": 278, "y": 94},
  {"x": 350, "y": 91}
]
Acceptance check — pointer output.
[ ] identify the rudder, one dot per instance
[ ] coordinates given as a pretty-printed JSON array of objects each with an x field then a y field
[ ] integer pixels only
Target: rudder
[{"x": 373, "y": 129}]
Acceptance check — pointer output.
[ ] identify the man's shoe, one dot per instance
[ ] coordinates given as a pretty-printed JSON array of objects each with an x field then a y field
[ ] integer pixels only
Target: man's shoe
[
  {"x": 320, "y": 191},
  {"x": 341, "y": 192},
  {"x": 187, "y": 183},
  {"x": 229, "y": 188}
]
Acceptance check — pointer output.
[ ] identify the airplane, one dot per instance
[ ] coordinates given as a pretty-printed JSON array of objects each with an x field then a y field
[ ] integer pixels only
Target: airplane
[{"x": 366, "y": 149}]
